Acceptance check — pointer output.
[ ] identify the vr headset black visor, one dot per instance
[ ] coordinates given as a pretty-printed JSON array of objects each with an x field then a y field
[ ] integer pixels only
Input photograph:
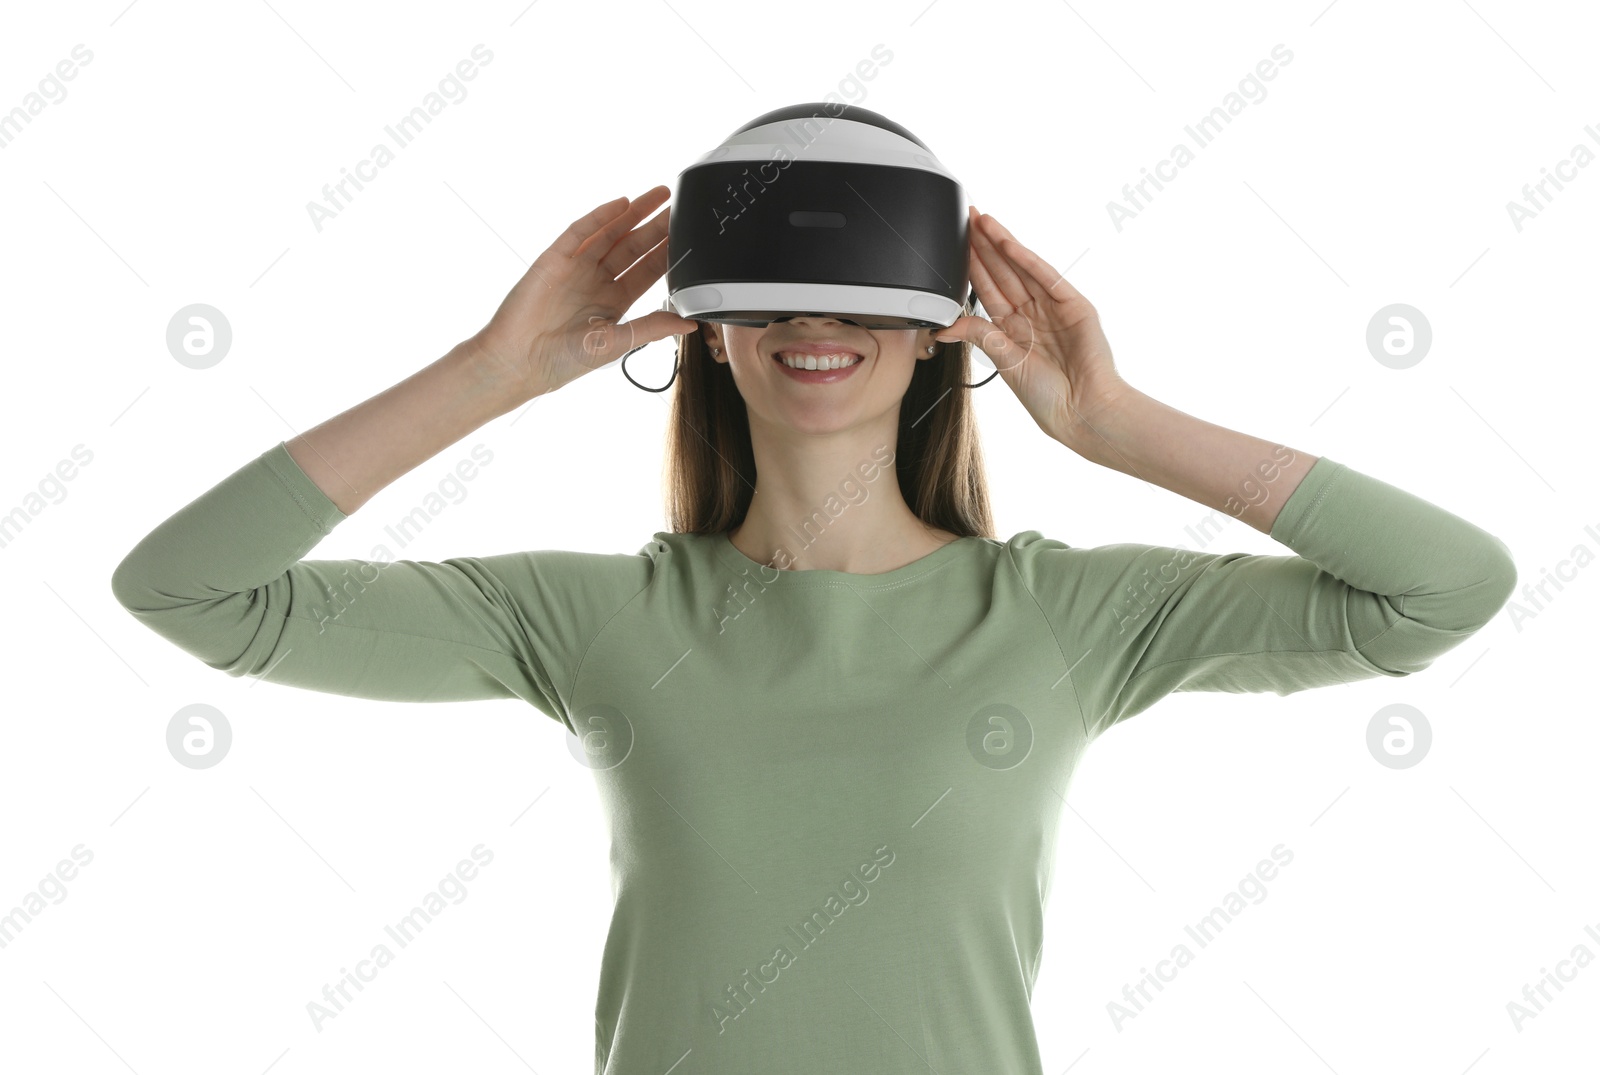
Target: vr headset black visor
[{"x": 819, "y": 210}]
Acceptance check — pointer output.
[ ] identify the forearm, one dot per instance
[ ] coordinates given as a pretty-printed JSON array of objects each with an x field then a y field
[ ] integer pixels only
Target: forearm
[
  {"x": 1243, "y": 476},
  {"x": 353, "y": 455}
]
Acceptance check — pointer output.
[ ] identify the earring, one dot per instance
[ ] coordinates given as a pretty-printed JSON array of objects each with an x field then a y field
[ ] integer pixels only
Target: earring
[
  {"x": 715, "y": 351},
  {"x": 931, "y": 348}
]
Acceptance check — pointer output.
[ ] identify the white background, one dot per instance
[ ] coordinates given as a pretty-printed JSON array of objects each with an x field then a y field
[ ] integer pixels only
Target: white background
[{"x": 1376, "y": 170}]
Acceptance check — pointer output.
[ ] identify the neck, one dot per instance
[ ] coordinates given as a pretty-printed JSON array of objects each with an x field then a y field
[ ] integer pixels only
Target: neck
[{"x": 831, "y": 502}]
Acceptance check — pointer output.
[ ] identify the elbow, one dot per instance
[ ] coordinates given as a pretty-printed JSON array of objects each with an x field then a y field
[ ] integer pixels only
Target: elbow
[
  {"x": 128, "y": 584},
  {"x": 1483, "y": 582},
  {"x": 217, "y": 629},
  {"x": 1423, "y": 627},
  {"x": 1469, "y": 607},
  {"x": 141, "y": 590},
  {"x": 1498, "y": 582}
]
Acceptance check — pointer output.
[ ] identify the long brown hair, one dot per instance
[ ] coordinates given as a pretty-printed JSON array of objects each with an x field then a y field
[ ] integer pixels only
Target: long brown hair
[{"x": 938, "y": 461}]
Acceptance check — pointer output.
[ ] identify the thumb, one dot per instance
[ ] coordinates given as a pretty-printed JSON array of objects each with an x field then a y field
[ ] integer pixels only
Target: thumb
[
  {"x": 605, "y": 341},
  {"x": 653, "y": 326},
  {"x": 1005, "y": 352}
]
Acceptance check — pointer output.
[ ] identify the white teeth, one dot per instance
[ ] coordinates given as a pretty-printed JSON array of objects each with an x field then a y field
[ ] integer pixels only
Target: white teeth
[{"x": 817, "y": 362}]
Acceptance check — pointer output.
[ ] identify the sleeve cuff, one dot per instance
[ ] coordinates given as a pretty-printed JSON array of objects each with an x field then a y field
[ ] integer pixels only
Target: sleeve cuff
[
  {"x": 1302, "y": 505},
  {"x": 322, "y": 511}
]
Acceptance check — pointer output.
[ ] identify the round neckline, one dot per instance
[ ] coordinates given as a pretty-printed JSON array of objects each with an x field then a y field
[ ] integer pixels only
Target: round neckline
[{"x": 916, "y": 567}]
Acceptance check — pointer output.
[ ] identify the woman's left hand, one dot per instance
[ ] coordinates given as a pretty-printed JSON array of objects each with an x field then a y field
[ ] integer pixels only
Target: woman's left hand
[{"x": 1045, "y": 339}]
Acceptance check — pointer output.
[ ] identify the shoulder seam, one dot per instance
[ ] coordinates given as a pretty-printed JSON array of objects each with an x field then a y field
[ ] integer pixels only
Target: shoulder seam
[
  {"x": 1077, "y": 700},
  {"x": 577, "y": 668}
]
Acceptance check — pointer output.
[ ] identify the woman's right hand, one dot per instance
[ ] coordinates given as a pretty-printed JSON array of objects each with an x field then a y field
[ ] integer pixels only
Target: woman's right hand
[{"x": 560, "y": 320}]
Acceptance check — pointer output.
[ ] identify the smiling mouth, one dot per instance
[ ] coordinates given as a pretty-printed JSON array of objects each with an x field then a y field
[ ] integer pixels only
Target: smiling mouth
[{"x": 801, "y": 361}]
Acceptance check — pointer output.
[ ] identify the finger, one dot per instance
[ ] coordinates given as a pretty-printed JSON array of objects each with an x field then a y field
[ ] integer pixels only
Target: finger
[
  {"x": 645, "y": 272},
  {"x": 599, "y": 244},
  {"x": 1013, "y": 251},
  {"x": 1005, "y": 352},
  {"x": 636, "y": 242},
  {"x": 988, "y": 294},
  {"x": 567, "y": 242},
  {"x": 1051, "y": 283},
  {"x": 607, "y": 342},
  {"x": 999, "y": 267}
]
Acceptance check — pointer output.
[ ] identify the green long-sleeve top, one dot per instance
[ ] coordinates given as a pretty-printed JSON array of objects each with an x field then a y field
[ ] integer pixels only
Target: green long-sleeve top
[{"x": 832, "y": 797}]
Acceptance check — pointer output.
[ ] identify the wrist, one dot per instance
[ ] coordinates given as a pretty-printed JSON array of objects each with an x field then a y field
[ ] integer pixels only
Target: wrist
[
  {"x": 1101, "y": 419},
  {"x": 495, "y": 374}
]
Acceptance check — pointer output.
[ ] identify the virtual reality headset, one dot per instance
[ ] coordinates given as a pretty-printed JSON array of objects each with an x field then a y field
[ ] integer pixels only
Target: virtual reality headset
[{"x": 819, "y": 209}]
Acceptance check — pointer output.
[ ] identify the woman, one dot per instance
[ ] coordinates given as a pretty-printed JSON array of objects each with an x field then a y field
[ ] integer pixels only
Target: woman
[{"x": 831, "y": 728}]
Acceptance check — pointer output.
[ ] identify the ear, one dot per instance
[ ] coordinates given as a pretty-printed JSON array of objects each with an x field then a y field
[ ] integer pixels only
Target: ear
[{"x": 711, "y": 336}]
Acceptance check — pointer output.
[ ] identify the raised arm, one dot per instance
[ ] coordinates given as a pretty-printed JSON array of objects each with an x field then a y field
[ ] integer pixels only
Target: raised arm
[
  {"x": 223, "y": 577},
  {"x": 1384, "y": 581}
]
